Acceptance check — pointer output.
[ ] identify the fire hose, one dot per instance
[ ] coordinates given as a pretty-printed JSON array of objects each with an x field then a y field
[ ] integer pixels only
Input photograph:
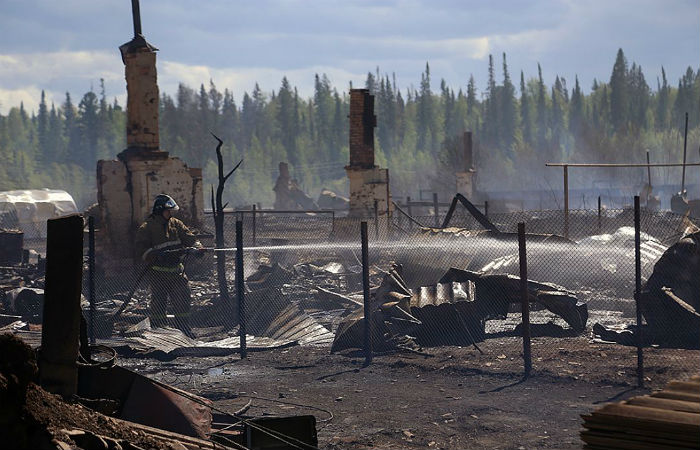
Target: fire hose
[{"x": 181, "y": 251}]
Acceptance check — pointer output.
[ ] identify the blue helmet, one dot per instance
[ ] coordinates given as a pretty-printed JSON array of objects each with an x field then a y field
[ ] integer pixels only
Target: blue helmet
[{"x": 164, "y": 202}]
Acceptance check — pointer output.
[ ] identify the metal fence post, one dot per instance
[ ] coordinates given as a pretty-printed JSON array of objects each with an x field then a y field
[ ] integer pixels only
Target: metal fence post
[
  {"x": 410, "y": 212},
  {"x": 240, "y": 288},
  {"x": 638, "y": 291},
  {"x": 525, "y": 305},
  {"x": 436, "y": 207},
  {"x": 566, "y": 201},
  {"x": 254, "y": 228},
  {"x": 599, "y": 216},
  {"x": 91, "y": 277},
  {"x": 366, "y": 297},
  {"x": 486, "y": 208},
  {"x": 376, "y": 220}
]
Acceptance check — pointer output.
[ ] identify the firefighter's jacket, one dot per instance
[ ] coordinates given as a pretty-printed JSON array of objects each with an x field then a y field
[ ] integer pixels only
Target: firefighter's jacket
[{"x": 156, "y": 239}]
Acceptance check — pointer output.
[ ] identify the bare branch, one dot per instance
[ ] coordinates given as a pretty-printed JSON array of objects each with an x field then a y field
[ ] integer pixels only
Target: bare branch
[
  {"x": 217, "y": 138},
  {"x": 233, "y": 170}
]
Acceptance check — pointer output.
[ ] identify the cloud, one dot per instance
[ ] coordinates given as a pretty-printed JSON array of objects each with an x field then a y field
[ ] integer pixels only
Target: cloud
[
  {"x": 23, "y": 76},
  {"x": 69, "y": 46}
]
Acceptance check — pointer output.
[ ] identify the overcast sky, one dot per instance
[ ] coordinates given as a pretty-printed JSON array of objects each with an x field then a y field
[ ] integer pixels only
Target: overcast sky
[{"x": 69, "y": 45}]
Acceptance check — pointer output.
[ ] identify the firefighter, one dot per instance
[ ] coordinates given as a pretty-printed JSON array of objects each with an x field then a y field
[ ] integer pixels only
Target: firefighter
[{"x": 162, "y": 242}]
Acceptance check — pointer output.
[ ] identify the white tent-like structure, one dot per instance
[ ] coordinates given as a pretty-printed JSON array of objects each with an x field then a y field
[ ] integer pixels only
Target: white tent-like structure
[{"x": 29, "y": 209}]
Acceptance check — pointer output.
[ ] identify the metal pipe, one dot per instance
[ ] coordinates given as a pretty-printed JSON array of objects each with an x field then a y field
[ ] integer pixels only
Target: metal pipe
[
  {"x": 638, "y": 291},
  {"x": 618, "y": 165},
  {"x": 91, "y": 277},
  {"x": 524, "y": 300},
  {"x": 276, "y": 211},
  {"x": 240, "y": 288},
  {"x": 136, "y": 15},
  {"x": 366, "y": 296}
]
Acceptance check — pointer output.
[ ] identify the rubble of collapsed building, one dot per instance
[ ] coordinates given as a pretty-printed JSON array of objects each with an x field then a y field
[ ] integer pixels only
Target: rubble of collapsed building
[
  {"x": 290, "y": 197},
  {"x": 288, "y": 193}
]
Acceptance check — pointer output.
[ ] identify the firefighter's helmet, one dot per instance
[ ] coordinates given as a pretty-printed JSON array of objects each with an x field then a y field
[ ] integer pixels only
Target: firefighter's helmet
[{"x": 164, "y": 202}]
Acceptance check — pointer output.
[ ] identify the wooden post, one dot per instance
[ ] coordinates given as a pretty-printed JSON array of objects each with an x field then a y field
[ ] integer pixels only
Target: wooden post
[
  {"x": 524, "y": 300},
  {"x": 638, "y": 291},
  {"x": 566, "y": 201},
  {"x": 91, "y": 277},
  {"x": 600, "y": 212},
  {"x": 436, "y": 207},
  {"x": 240, "y": 288},
  {"x": 60, "y": 332},
  {"x": 366, "y": 296}
]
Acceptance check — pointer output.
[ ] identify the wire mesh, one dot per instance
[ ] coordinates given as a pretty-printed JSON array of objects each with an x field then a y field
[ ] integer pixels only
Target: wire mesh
[{"x": 434, "y": 291}]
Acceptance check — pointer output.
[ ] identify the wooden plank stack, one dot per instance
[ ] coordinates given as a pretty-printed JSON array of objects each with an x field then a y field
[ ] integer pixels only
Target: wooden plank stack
[{"x": 665, "y": 420}]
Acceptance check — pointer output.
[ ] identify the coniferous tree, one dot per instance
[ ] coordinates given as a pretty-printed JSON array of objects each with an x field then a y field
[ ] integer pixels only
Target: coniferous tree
[
  {"x": 43, "y": 129},
  {"x": 526, "y": 112},
  {"x": 619, "y": 100},
  {"x": 639, "y": 97},
  {"x": 426, "y": 113},
  {"x": 663, "y": 103},
  {"x": 576, "y": 113},
  {"x": 509, "y": 110},
  {"x": 491, "y": 107},
  {"x": 542, "y": 119}
]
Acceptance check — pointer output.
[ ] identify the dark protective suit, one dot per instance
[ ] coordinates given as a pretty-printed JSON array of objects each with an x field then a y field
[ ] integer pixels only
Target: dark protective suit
[{"x": 157, "y": 243}]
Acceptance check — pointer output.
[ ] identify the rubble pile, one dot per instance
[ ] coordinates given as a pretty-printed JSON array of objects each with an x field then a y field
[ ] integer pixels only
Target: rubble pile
[
  {"x": 31, "y": 418},
  {"x": 453, "y": 311},
  {"x": 21, "y": 296}
]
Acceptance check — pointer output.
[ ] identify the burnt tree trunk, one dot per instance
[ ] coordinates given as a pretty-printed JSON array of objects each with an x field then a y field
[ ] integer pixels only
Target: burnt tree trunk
[{"x": 217, "y": 207}]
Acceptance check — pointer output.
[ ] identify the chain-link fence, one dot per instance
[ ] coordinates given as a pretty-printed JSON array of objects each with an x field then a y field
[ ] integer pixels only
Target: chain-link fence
[{"x": 454, "y": 290}]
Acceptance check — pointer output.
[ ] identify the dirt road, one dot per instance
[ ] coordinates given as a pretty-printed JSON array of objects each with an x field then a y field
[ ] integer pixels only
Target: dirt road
[{"x": 454, "y": 398}]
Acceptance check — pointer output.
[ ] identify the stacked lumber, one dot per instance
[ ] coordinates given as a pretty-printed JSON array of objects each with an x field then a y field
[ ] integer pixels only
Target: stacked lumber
[{"x": 669, "y": 419}]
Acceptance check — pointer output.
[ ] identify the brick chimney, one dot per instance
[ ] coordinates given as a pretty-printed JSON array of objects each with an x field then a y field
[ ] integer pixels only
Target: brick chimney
[
  {"x": 369, "y": 184},
  {"x": 127, "y": 186},
  {"x": 362, "y": 123},
  {"x": 466, "y": 174},
  {"x": 467, "y": 148}
]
